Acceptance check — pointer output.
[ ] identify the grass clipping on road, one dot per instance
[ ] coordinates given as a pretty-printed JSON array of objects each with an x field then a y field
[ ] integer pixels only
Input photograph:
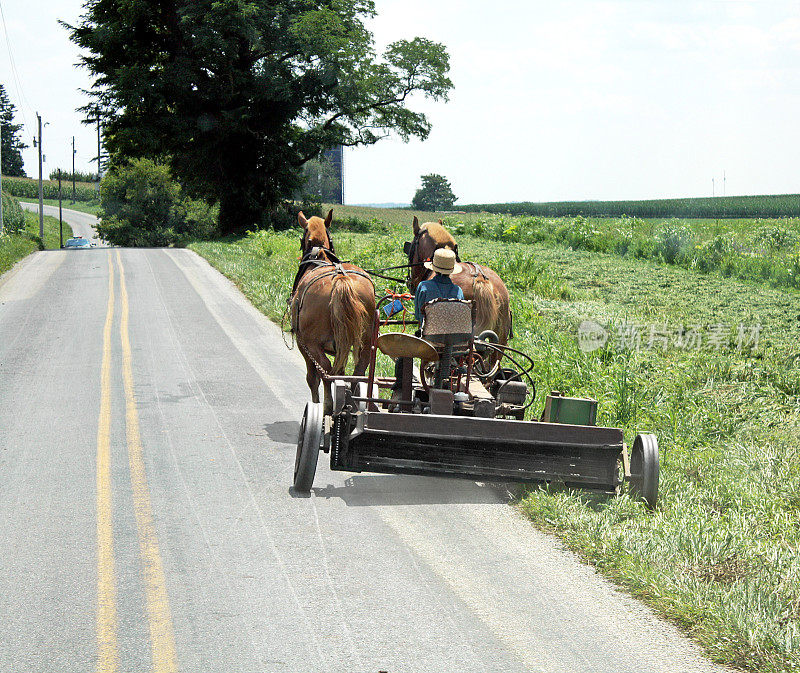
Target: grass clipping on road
[{"x": 720, "y": 554}]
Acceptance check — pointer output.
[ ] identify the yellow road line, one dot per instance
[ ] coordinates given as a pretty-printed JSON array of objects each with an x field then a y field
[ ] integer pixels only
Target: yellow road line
[
  {"x": 161, "y": 632},
  {"x": 108, "y": 655}
]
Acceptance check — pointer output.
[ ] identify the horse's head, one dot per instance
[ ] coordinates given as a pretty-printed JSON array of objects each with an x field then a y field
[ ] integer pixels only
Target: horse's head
[
  {"x": 316, "y": 234},
  {"x": 428, "y": 238}
]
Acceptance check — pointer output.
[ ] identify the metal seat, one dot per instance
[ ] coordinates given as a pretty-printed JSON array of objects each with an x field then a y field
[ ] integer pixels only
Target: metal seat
[{"x": 448, "y": 324}]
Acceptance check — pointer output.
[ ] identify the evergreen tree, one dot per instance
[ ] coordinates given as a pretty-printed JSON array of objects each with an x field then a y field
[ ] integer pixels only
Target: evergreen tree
[{"x": 12, "y": 145}]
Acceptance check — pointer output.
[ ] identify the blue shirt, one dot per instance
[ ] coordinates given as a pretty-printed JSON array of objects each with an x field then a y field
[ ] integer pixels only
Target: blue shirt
[{"x": 436, "y": 287}]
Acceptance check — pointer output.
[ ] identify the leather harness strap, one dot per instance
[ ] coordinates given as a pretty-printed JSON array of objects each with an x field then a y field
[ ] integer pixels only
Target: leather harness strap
[
  {"x": 337, "y": 269},
  {"x": 476, "y": 269}
]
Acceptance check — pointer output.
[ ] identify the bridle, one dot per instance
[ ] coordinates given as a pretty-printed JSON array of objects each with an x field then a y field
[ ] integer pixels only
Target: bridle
[
  {"x": 313, "y": 257},
  {"x": 321, "y": 248}
]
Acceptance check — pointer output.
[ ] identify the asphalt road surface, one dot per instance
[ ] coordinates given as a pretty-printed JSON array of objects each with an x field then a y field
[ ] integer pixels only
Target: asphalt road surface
[{"x": 148, "y": 416}]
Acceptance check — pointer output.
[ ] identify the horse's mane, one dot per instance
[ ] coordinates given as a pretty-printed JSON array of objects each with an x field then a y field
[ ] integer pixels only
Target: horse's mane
[{"x": 439, "y": 234}]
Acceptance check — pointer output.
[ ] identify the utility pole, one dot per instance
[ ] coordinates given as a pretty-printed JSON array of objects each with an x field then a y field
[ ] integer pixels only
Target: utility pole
[
  {"x": 712, "y": 187},
  {"x": 73, "y": 169},
  {"x": 1, "y": 180},
  {"x": 41, "y": 195},
  {"x": 99, "y": 164},
  {"x": 724, "y": 184},
  {"x": 60, "y": 221}
]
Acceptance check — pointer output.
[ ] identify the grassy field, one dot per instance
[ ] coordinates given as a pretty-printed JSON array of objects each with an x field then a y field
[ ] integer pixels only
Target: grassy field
[
  {"x": 13, "y": 247},
  {"x": 720, "y": 555},
  {"x": 766, "y": 251},
  {"x": 91, "y": 207}
]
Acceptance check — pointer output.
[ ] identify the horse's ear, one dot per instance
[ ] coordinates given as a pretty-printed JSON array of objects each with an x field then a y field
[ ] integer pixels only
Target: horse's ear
[
  {"x": 329, "y": 219},
  {"x": 415, "y": 225},
  {"x": 302, "y": 220},
  {"x": 440, "y": 221}
]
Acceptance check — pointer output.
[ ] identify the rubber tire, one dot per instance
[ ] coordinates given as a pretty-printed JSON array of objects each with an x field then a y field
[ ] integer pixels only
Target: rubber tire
[
  {"x": 309, "y": 442},
  {"x": 361, "y": 391},
  {"x": 645, "y": 469}
]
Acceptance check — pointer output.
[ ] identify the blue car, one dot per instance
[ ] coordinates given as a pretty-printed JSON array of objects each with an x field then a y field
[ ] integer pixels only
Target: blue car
[{"x": 78, "y": 242}]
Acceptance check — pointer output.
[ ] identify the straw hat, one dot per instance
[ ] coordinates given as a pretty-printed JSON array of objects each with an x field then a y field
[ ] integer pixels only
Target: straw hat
[{"x": 444, "y": 262}]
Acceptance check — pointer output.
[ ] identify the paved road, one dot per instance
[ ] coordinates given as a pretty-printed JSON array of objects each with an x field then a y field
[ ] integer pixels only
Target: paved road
[
  {"x": 82, "y": 223},
  {"x": 147, "y": 423}
]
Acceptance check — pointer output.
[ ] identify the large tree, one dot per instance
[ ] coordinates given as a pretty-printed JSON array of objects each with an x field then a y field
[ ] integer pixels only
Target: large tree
[
  {"x": 12, "y": 145},
  {"x": 237, "y": 95},
  {"x": 435, "y": 194}
]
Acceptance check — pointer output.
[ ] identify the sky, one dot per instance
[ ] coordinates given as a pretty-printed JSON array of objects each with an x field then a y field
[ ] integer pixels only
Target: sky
[{"x": 567, "y": 100}]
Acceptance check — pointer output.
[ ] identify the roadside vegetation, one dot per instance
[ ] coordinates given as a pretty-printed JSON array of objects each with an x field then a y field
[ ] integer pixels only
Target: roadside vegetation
[
  {"x": 20, "y": 235},
  {"x": 141, "y": 205},
  {"x": 720, "y": 555}
]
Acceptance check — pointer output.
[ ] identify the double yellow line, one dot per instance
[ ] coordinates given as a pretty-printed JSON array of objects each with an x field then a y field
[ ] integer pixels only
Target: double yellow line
[{"x": 162, "y": 637}]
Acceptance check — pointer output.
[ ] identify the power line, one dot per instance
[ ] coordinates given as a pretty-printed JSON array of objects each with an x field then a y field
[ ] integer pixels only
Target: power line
[{"x": 14, "y": 74}]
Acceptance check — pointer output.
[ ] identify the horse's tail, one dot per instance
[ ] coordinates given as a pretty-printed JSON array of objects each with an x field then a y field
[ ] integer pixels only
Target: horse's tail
[
  {"x": 486, "y": 304},
  {"x": 350, "y": 320}
]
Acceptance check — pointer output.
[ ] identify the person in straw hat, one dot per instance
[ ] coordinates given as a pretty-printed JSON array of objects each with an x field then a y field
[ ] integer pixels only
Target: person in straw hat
[
  {"x": 443, "y": 263},
  {"x": 440, "y": 286}
]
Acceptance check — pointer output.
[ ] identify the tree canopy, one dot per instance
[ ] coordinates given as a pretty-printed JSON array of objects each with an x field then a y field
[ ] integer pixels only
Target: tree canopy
[
  {"x": 12, "y": 145},
  {"x": 435, "y": 194},
  {"x": 238, "y": 94}
]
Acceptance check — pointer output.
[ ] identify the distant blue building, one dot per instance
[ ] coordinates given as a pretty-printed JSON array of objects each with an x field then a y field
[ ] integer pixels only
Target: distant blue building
[{"x": 336, "y": 158}]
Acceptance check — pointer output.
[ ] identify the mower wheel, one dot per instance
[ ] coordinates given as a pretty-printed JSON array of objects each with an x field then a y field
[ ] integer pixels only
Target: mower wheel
[
  {"x": 309, "y": 442},
  {"x": 362, "y": 390},
  {"x": 644, "y": 468}
]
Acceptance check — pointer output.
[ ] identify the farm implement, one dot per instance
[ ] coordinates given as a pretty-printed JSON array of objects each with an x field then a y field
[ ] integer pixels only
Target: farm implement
[{"x": 458, "y": 410}]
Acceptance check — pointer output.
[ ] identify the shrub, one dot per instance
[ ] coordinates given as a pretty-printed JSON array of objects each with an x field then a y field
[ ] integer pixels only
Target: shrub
[
  {"x": 143, "y": 206},
  {"x": 775, "y": 237},
  {"x": 285, "y": 215},
  {"x": 13, "y": 217},
  {"x": 672, "y": 241}
]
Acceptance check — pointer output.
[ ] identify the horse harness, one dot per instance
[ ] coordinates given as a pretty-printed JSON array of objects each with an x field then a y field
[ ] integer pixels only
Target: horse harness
[
  {"x": 477, "y": 270},
  {"x": 312, "y": 260}
]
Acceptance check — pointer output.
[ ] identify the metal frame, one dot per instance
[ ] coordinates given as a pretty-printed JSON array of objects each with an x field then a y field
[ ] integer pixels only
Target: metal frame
[{"x": 362, "y": 437}]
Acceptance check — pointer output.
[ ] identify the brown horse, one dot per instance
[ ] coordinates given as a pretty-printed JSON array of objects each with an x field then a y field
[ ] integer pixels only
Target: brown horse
[
  {"x": 478, "y": 283},
  {"x": 332, "y": 308}
]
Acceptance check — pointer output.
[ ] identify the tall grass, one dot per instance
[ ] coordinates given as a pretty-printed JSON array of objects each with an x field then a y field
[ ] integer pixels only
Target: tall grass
[{"x": 22, "y": 241}]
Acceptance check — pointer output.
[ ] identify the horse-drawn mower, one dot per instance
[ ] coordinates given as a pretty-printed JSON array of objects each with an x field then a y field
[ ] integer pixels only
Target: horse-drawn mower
[{"x": 460, "y": 413}]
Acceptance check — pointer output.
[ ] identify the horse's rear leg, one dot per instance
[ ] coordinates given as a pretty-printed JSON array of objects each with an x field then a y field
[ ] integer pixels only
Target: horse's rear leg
[
  {"x": 363, "y": 360},
  {"x": 313, "y": 376}
]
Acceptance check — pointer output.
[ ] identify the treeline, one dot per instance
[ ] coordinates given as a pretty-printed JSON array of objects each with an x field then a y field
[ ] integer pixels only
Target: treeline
[
  {"x": 723, "y": 207},
  {"x": 25, "y": 188},
  {"x": 80, "y": 176}
]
